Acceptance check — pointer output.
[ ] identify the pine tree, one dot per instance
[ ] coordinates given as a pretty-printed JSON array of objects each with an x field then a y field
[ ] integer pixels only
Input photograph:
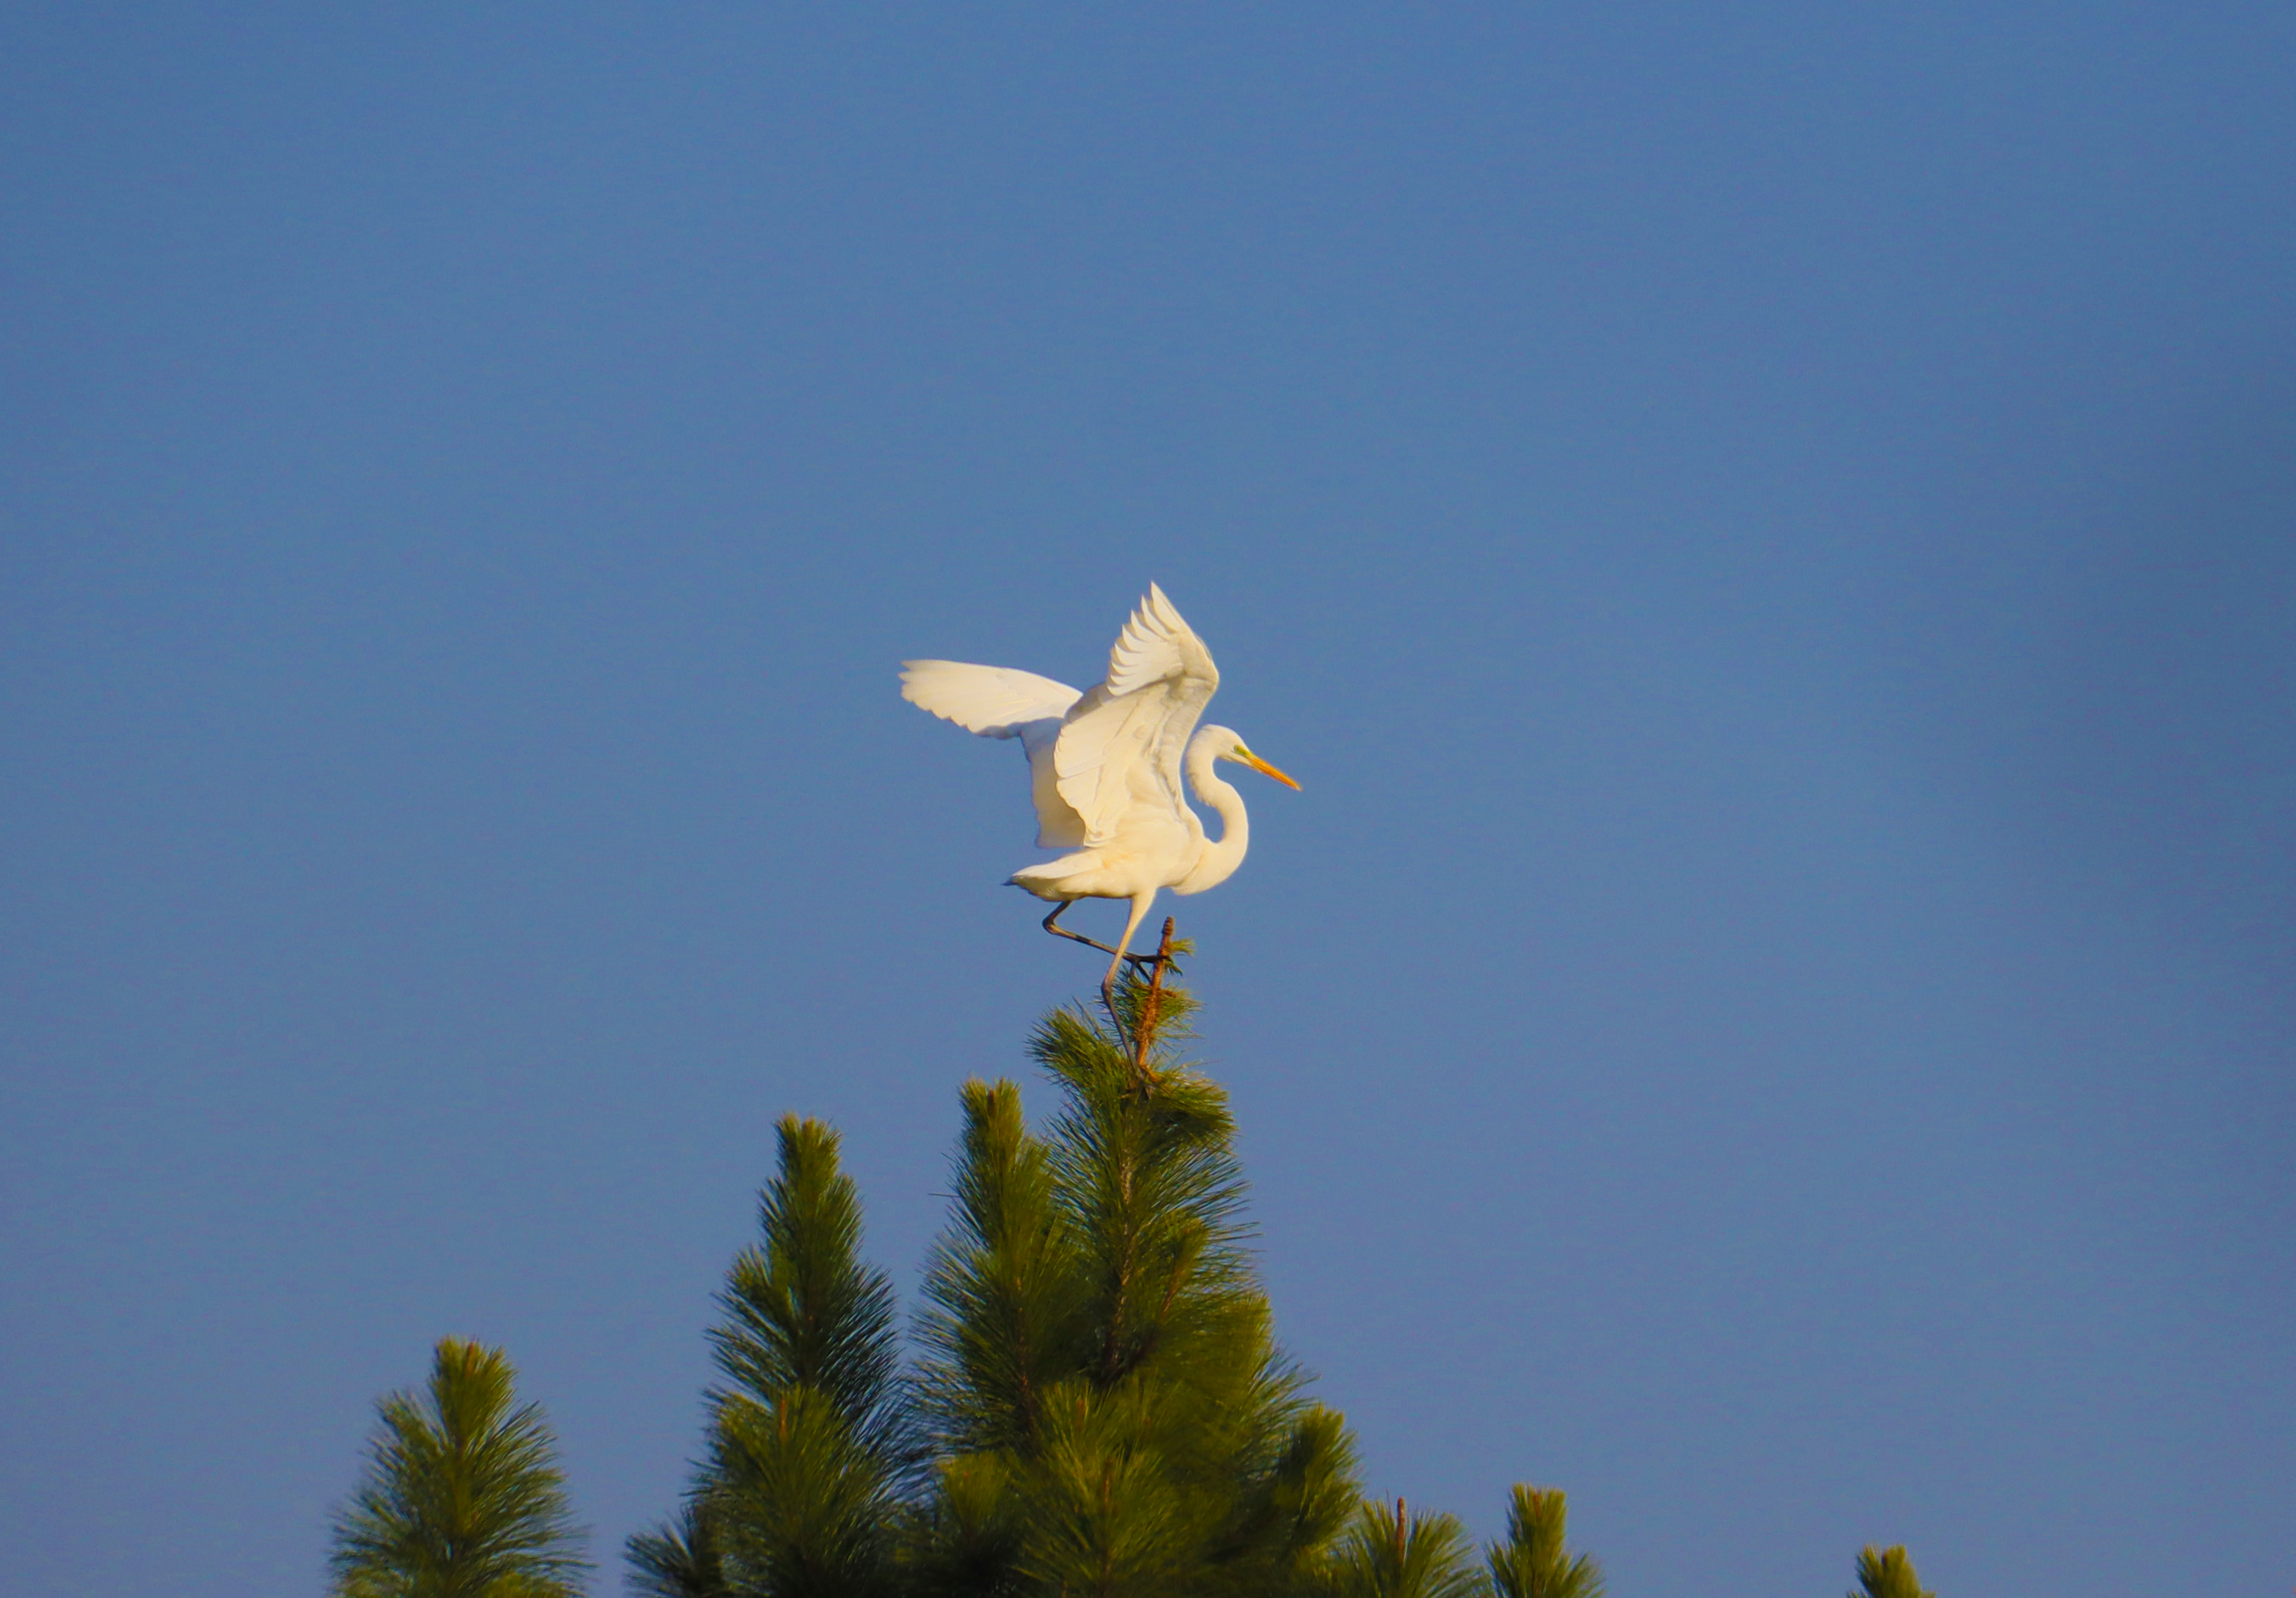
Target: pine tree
[
  {"x": 1887, "y": 1573},
  {"x": 808, "y": 1437},
  {"x": 1101, "y": 1409},
  {"x": 1390, "y": 1552},
  {"x": 1108, "y": 1406},
  {"x": 462, "y": 1498},
  {"x": 679, "y": 1562},
  {"x": 1533, "y": 1562}
]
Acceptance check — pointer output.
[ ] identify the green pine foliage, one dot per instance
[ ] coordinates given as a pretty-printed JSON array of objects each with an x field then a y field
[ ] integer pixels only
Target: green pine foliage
[
  {"x": 1390, "y": 1552},
  {"x": 463, "y": 1498},
  {"x": 681, "y": 1561},
  {"x": 802, "y": 1310},
  {"x": 1106, "y": 1401},
  {"x": 809, "y": 1440},
  {"x": 1887, "y": 1573},
  {"x": 1099, "y": 1408},
  {"x": 1532, "y": 1561}
]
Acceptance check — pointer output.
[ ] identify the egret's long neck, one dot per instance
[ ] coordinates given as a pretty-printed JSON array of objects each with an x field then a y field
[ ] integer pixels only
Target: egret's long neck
[{"x": 1224, "y": 854}]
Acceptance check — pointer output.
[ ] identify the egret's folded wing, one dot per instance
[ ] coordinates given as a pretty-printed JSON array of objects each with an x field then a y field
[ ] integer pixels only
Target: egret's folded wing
[
  {"x": 1104, "y": 762},
  {"x": 996, "y": 702},
  {"x": 1058, "y": 825}
]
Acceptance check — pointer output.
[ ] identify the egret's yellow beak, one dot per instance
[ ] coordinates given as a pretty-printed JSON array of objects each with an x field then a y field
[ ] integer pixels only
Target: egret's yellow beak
[{"x": 1264, "y": 768}]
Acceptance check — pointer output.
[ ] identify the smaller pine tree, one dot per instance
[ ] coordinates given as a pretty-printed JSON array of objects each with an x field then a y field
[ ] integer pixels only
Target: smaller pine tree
[
  {"x": 1390, "y": 1552},
  {"x": 808, "y": 1443},
  {"x": 1533, "y": 1562},
  {"x": 1887, "y": 1573},
  {"x": 463, "y": 1497},
  {"x": 680, "y": 1560}
]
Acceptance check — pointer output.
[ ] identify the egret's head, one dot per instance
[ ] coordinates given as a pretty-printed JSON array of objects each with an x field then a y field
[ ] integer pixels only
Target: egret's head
[{"x": 1226, "y": 745}]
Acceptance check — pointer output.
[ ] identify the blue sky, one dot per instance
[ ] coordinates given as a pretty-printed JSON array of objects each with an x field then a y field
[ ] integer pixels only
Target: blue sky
[{"x": 1765, "y": 533}]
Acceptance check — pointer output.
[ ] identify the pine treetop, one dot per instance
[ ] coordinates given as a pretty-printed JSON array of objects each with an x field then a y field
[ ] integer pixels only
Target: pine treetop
[{"x": 462, "y": 1493}]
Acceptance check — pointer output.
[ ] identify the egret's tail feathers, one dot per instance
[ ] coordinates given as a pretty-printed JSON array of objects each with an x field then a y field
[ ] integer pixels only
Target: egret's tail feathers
[
  {"x": 996, "y": 702},
  {"x": 1047, "y": 879}
]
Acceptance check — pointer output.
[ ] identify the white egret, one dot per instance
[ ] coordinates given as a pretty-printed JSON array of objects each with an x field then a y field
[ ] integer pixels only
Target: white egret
[{"x": 1104, "y": 767}]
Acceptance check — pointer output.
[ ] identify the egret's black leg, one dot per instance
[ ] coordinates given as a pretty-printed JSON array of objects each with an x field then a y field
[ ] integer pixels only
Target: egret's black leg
[
  {"x": 1061, "y": 909},
  {"x": 1052, "y": 925}
]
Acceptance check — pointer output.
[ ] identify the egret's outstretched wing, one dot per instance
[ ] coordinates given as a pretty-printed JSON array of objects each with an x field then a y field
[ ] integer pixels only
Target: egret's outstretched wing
[
  {"x": 1156, "y": 646},
  {"x": 1121, "y": 744},
  {"x": 996, "y": 702}
]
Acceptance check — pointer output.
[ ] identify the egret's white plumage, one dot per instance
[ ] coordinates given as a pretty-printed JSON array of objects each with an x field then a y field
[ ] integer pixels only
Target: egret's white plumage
[{"x": 1106, "y": 766}]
